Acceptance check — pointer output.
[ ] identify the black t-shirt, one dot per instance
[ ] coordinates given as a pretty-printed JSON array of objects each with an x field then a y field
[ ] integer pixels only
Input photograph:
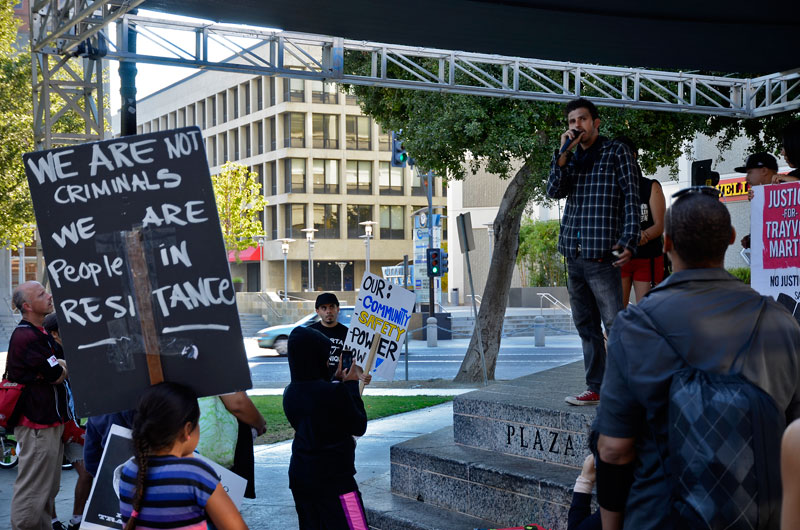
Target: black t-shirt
[{"x": 337, "y": 334}]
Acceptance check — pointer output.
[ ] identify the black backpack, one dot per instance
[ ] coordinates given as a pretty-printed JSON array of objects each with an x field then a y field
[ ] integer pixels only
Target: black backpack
[{"x": 724, "y": 449}]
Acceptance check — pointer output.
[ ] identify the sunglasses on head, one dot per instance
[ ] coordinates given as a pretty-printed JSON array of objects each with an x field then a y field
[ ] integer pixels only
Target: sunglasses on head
[{"x": 711, "y": 191}]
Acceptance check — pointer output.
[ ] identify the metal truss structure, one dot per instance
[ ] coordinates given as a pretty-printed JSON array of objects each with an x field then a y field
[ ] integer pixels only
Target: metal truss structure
[
  {"x": 66, "y": 48},
  {"x": 260, "y": 51}
]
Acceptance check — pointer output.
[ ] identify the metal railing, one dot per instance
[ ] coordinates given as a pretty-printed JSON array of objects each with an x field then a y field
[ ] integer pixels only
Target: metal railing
[{"x": 553, "y": 300}]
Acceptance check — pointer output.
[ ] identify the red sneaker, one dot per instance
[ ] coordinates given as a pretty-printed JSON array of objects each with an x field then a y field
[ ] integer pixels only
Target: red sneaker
[{"x": 586, "y": 398}]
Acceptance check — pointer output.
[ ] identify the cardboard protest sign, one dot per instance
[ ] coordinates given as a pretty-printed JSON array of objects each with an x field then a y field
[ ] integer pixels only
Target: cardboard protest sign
[
  {"x": 88, "y": 200},
  {"x": 102, "y": 508},
  {"x": 381, "y": 308},
  {"x": 775, "y": 243}
]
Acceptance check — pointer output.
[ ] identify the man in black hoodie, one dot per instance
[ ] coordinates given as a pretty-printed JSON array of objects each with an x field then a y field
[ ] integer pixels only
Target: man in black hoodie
[{"x": 325, "y": 417}]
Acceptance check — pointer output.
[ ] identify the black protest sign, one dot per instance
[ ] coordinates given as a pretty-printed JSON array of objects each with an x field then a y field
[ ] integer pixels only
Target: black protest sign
[
  {"x": 102, "y": 508},
  {"x": 89, "y": 200}
]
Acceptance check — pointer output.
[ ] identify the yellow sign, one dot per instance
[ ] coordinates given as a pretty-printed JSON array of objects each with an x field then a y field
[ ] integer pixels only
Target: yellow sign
[{"x": 734, "y": 189}]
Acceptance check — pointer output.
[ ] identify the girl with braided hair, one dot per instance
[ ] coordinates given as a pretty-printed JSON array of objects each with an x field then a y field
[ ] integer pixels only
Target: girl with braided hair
[{"x": 163, "y": 486}]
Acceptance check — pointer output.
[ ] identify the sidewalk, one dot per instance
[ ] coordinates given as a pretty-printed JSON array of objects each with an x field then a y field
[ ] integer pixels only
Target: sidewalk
[{"x": 274, "y": 506}]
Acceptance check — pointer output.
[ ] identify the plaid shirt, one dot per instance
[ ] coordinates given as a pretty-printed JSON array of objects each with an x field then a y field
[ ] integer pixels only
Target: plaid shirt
[{"x": 602, "y": 200}]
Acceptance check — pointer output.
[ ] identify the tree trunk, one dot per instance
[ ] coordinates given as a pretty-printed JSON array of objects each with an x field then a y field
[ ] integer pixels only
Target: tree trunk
[{"x": 495, "y": 295}]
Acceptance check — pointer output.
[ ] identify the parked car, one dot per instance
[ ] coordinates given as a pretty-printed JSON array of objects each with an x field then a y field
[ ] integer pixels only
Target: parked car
[{"x": 277, "y": 337}]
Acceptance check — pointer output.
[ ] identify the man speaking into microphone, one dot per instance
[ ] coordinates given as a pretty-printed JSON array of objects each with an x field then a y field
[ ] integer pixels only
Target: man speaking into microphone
[{"x": 599, "y": 230}]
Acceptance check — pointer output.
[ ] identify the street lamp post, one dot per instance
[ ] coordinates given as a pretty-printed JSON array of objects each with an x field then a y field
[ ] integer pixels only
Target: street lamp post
[
  {"x": 367, "y": 236},
  {"x": 262, "y": 243},
  {"x": 285, "y": 250},
  {"x": 342, "y": 265},
  {"x": 310, "y": 238}
]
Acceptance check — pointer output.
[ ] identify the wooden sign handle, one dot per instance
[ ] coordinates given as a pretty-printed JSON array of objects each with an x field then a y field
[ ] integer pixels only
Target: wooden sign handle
[
  {"x": 144, "y": 305},
  {"x": 376, "y": 341}
]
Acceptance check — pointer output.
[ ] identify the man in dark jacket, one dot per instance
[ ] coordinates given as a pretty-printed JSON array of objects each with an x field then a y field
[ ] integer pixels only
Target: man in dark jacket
[
  {"x": 325, "y": 417},
  {"x": 41, "y": 410}
]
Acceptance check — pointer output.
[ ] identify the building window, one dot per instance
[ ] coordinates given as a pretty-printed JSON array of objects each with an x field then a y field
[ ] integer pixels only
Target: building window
[
  {"x": 247, "y": 98},
  {"x": 273, "y": 177},
  {"x": 224, "y": 106},
  {"x": 326, "y": 221},
  {"x": 417, "y": 185},
  {"x": 390, "y": 179},
  {"x": 235, "y": 97},
  {"x": 351, "y": 99},
  {"x": 203, "y": 113},
  {"x": 182, "y": 117},
  {"x": 236, "y": 144},
  {"x": 273, "y": 133},
  {"x": 324, "y": 92},
  {"x": 391, "y": 222},
  {"x": 357, "y": 213},
  {"x": 259, "y": 136},
  {"x": 325, "y": 131},
  {"x": 214, "y": 160},
  {"x": 294, "y": 90},
  {"x": 358, "y": 133},
  {"x": 444, "y": 187},
  {"x": 359, "y": 177},
  {"x": 294, "y": 129},
  {"x": 273, "y": 221},
  {"x": 295, "y": 217},
  {"x": 190, "y": 116},
  {"x": 326, "y": 176},
  {"x": 213, "y": 111},
  {"x": 224, "y": 141},
  {"x": 273, "y": 88},
  {"x": 259, "y": 93},
  {"x": 248, "y": 140},
  {"x": 384, "y": 140},
  {"x": 295, "y": 175}
]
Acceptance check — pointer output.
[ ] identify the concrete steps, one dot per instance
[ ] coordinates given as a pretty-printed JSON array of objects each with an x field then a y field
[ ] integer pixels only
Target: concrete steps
[
  {"x": 251, "y": 323},
  {"x": 511, "y": 458},
  {"x": 518, "y": 325}
]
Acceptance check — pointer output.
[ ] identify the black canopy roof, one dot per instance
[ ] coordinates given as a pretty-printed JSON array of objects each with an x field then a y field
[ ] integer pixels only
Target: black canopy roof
[{"x": 751, "y": 37}]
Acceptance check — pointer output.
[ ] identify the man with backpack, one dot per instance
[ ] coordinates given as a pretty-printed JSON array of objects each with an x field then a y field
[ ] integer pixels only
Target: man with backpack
[{"x": 701, "y": 376}]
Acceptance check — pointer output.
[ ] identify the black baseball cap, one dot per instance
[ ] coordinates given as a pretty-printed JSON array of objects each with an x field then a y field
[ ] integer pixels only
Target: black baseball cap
[
  {"x": 758, "y": 160},
  {"x": 326, "y": 298}
]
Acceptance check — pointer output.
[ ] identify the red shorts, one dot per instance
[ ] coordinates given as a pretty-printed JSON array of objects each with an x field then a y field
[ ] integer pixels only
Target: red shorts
[{"x": 639, "y": 268}]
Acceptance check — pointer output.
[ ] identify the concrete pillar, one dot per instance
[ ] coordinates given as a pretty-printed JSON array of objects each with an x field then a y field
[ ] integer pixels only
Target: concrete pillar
[
  {"x": 433, "y": 333},
  {"x": 538, "y": 331}
]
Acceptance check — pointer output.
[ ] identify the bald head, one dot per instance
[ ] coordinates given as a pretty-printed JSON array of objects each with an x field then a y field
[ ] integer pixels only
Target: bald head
[{"x": 33, "y": 301}]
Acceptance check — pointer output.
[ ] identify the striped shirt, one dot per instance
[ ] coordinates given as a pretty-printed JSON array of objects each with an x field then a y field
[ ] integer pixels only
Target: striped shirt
[
  {"x": 602, "y": 191},
  {"x": 176, "y": 492}
]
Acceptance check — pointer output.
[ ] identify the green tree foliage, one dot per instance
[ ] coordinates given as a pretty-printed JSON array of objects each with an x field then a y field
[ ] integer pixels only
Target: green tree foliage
[
  {"x": 239, "y": 203},
  {"x": 16, "y": 129},
  {"x": 538, "y": 258}
]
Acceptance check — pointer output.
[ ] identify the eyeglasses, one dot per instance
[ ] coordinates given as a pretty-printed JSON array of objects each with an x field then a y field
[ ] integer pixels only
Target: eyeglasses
[{"x": 711, "y": 191}]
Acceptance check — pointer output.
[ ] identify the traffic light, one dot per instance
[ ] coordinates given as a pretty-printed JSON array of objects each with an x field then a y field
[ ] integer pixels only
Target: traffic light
[
  {"x": 445, "y": 268},
  {"x": 434, "y": 263},
  {"x": 399, "y": 154}
]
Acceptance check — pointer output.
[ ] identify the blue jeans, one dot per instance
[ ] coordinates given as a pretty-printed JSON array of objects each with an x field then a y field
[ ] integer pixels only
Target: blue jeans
[{"x": 595, "y": 294}]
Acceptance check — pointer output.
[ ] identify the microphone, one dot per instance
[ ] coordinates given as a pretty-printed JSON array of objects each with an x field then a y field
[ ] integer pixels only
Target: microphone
[{"x": 569, "y": 142}]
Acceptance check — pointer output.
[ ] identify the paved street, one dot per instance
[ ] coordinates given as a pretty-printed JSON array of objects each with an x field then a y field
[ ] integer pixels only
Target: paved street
[{"x": 517, "y": 357}]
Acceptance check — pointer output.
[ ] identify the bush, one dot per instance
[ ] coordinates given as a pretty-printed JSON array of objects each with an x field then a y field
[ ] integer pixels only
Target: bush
[
  {"x": 538, "y": 258},
  {"x": 743, "y": 273}
]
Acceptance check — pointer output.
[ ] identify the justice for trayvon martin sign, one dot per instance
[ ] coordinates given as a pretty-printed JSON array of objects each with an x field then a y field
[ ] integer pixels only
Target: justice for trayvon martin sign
[
  {"x": 381, "y": 308},
  {"x": 775, "y": 243},
  {"x": 88, "y": 198}
]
